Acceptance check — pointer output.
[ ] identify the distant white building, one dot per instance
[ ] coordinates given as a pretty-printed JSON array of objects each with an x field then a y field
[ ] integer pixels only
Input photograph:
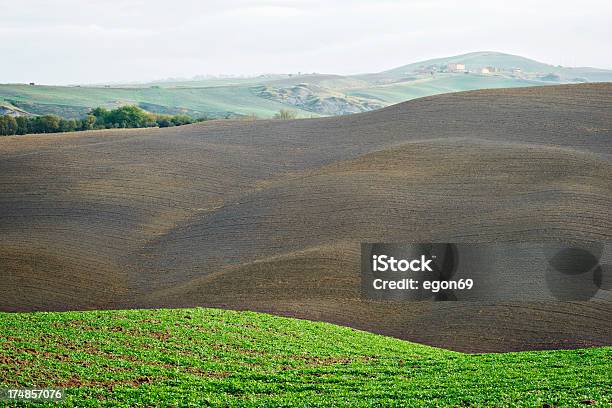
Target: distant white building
[
  {"x": 455, "y": 67},
  {"x": 489, "y": 70}
]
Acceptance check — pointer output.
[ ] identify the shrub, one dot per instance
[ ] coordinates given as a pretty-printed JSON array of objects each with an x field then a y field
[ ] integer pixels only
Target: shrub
[
  {"x": 99, "y": 118},
  {"x": 285, "y": 114}
]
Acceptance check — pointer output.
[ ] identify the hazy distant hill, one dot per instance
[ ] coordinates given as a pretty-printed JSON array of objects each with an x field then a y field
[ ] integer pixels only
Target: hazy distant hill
[
  {"x": 476, "y": 60},
  {"x": 308, "y": 94}
]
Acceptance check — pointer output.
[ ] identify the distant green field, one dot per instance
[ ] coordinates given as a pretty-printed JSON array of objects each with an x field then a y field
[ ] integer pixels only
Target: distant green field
[
  {"x": 231, "y": 97},
  {"x": 202, "y": 357},
  {"x": 215, "y": 101},
  {"x": 231, "y": 100},
  {"x": 441, "y": 83}
]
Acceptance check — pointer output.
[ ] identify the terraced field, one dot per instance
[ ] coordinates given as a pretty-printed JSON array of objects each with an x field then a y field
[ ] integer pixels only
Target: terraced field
[{"x": 269, "y": 215}]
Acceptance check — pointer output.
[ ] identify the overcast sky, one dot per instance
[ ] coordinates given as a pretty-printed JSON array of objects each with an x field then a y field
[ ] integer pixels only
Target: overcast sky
[{"x": 78, "y": 41}]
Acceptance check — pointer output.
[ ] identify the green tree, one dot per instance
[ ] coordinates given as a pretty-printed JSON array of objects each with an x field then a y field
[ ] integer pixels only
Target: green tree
[
  {"x": 163, "y": 122},
  {"x": 285, "y": 114},
  {"x": 68, "y": 125},
  {"x": 23, "y": 125},
  {"x": 180, "y": 120},
  {"x": 101, "y": 115},
  {"x": 47, "y": 124},
  {"x": 122, "y": 117},
  {"x": 128, "y": 116},
  {"x": 8, "y": 125},
  {"x": 88, "y": 123}
]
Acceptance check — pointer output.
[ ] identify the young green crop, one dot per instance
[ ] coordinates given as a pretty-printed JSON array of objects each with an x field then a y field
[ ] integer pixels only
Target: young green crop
[{"x": 201, "y": 357}]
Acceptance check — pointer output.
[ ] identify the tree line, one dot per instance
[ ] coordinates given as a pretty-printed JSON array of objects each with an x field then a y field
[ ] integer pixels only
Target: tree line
[{"x": 99, "y": 118}]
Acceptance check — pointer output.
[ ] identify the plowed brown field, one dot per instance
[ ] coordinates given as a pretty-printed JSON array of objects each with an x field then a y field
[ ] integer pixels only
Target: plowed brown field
[{"x": 269, "y": 215}]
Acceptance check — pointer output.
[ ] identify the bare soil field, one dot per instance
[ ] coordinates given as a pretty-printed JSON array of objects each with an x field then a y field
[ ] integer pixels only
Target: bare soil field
[{"x": 269, "y": 215}]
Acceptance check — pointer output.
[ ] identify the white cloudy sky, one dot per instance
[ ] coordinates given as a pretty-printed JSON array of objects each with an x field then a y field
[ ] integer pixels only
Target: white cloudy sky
[{"x": 78, "y": 41}]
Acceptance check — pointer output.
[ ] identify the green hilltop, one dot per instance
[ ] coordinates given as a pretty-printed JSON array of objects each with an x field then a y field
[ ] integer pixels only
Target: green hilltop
[
  {"x": 475, "y": 60},
  {"x": 507, "y": 62}
]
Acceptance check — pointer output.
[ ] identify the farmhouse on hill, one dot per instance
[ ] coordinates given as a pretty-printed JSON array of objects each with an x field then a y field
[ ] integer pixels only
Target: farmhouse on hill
[{"x": 455, "y": 67}]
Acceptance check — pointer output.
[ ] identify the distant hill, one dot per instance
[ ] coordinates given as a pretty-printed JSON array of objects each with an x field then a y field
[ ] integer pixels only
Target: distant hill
[
  {"x": 224, "y": 101},
  {"x": 477, "y": 60},
  {"x": 307, "y": 94}
]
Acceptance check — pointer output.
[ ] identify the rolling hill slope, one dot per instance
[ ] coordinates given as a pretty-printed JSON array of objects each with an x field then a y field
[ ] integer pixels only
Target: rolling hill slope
[
  {"x": 214, "y": 102},
  {"x": 268, "y": 215},
  {"x": 395, "y": 92},
  {"x": 328, "y": 94}
]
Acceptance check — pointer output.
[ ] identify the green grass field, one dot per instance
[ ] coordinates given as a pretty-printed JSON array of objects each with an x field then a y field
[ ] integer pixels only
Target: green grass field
[
  {"x": 201, "y": 357},
  {"x": 231, "y": 97},
  {"x": 216, "y": 101},
  {"x": 223, "y": 100},
  {"x": 441, "y": 83}
]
